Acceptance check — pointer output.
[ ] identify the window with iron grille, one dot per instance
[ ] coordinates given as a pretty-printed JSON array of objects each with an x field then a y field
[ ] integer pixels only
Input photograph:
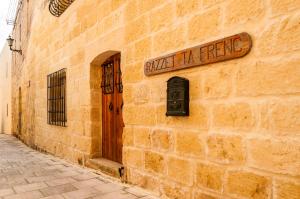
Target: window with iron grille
[{"x": 56, "y": 94}]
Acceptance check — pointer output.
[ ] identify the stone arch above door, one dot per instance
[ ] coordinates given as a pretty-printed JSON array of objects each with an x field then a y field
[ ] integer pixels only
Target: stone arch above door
[{"x": 96, "y": 102}]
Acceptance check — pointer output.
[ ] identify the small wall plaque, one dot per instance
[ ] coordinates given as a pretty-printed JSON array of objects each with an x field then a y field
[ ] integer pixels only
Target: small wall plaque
[
  {"x": 177, "y": 97},
  {"x": 216, "y": 51}
]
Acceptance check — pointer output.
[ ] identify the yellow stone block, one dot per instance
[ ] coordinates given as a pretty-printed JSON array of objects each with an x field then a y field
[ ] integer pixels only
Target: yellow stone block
[
  {"x": 168, "y": 40},
  {"x": 203, "y": 26},
  {"x": 227, "y": 149},
  {"x": 141, "y": 93},
  {"x": 136, "y": 29},
  {"x": 161, "y": 139},
  {"x": 132, "y": 114},
  {"x": 154, "y": 162},
  {"x": 133, "y": 157},
  {"x": 217, "y": 82},
  {"x": 208, "y": 3},
  {"x": 148, "y": 5},
  {"x": 269, "y": 77},
  {"x": 133, "y": 72},
  {"x": 197, "y": 119},
  {"x": 128, "y": 139},
  {"x": 287, "y": 190},
  {"x": 172, "y": 190},
  {"x": 199, "y": 195},
  {"x": 281, "y": 117},
  {"x": 131, "y": 10},
  {"x": 186, "y": 7},
  {"x": 209, "y": 176},
  {"x": 248, "y": 185},
  {"x": 189, "y": 143},
  {"x": 161, "y": 17},
  {"x": 141, "y": 137},
  {"x": 180, "y": 170},
  {"x": 282, "y": 7},
  {"x": 235, "y": 116},
  {"x": 244, "y": 11},
  {"x": 275, "y": 155},
  {"x": 142, "y": 49}
]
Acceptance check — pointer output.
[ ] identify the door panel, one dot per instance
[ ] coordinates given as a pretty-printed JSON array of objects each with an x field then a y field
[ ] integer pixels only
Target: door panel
[{"x": 112, "y": 121}]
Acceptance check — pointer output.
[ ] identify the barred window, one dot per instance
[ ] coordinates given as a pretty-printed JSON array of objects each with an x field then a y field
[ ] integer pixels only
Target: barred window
[{"x": 56, "y": 94}]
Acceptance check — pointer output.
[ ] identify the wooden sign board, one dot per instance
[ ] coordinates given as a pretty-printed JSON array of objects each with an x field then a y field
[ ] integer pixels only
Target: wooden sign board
[{"x": 216, "y": 51}]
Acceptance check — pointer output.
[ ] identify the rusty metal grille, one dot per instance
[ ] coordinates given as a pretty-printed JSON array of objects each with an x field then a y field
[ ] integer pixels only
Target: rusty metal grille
[
  {"x": 56, "y": 98},
  {"x": 57, "y": 7}
]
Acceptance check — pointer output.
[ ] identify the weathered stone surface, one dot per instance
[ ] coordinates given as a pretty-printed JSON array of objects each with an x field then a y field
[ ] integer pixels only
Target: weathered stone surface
[
  {"x": 235, "y": 116},
  {"x": 249, "y": 185},
  {"x": 128, "y": 138},
  {"x": 133, "y": 157},
  {"x": 281, "y": 118},
  {"x": 206, "y": 29},
  {"x": 207, "y": 3},
  {"x": 132, "y": 115},
  {"x": 154, "y": 162},
  {"x": 199, "y": 195},
  {"x": 217, "y": 83},
  {"x": 277, "y": 78},
  {"x": 142, "y": 48},
  {"x": 161, "y": 139},
  {"x": 145, "y": 181},
  {"x": 168, "y": 40},
  {"x": 244, "y": 11},
  {"x": 275, "y": 155},
  {"x": 137, "y": 29},
  {"x": 184, "y": 8},
  {"x": 142, "y": 137},
  {"x": 228, "y": 149},
  {"x": 245, "y": 111},
  {"x": 287, "y": 190},
  {"x": 281, "y": 7},
  {"x": 141, "y": 94},
  {"x": 180, "y": 170},
  {"x": 189, "y": 143},
  {"x": 175, "y": 191},
  {"x": 209, "y": 176},
  {"x": 198, "y": 118},
  {"x": 161, "y": 17}
]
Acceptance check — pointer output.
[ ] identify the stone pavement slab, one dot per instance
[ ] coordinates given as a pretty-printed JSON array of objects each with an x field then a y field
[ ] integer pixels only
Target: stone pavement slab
[{"x": 29, "y": 174}]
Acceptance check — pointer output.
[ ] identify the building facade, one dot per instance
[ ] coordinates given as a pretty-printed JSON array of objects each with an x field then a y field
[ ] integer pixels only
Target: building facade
[
  {"x": 80, "y": 91},
  {"x": 5, "y": 91}
]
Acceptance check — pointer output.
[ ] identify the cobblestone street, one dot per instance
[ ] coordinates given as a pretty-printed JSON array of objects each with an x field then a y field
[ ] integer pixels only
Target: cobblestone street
[{"x": 26, "y": 173}]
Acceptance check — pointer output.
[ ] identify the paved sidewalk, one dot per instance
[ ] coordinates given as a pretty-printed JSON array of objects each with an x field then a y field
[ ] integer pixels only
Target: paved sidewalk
[{"x": 26, "y": 173}]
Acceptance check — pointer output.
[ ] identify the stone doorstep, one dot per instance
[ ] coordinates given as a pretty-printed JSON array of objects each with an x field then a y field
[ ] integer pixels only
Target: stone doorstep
[{"x": 106, "y": 166}]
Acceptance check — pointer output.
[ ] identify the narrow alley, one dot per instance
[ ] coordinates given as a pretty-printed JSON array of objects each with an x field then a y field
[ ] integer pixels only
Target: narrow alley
[{"x": 26, "y": 173}]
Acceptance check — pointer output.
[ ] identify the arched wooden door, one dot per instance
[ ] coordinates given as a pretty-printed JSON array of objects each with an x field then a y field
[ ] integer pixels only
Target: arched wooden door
[{"x": 112, "y": 106}]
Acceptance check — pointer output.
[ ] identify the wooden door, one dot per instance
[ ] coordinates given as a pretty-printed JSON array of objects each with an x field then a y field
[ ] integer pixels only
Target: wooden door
[{"x": 112, "y": 105}]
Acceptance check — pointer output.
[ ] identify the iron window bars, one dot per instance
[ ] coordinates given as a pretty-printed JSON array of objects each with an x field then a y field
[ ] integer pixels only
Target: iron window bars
[
  {"x": 57, "y": 7},
  {"x": 56, "y": 98},
  {"x": 108, "y": 81}
]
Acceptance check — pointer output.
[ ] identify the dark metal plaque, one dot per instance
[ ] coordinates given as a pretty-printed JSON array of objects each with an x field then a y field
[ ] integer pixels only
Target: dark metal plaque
[
  {"x": 177, "y": 97},
  {"x": 216, "y": 51}
]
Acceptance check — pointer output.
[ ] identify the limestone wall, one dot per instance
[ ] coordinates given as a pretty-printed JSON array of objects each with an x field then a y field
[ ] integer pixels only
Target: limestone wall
[
  {"x": 241, "y": 139},
  {"x": 5, "y": 90}
]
